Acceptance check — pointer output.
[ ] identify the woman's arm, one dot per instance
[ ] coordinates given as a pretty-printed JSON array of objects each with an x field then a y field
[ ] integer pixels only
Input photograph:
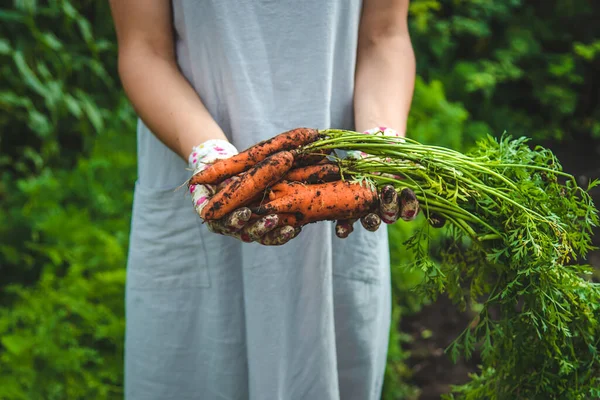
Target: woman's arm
[
  {"x": 159, "y": 93},
  {"x": 386, "y": 67}
]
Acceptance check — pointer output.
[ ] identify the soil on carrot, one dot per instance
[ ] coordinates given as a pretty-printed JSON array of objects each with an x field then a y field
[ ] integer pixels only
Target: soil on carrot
[{"x": 435, "y": 326}]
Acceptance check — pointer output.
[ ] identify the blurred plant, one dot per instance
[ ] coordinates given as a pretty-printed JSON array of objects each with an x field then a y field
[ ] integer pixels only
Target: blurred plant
[
  {"x": 65, "y": 189},
  {"x": 67, "y": 162},
  {"x": 60, "y": 93},
  {"x": 60, "y": 89},
  {"x": 62, "y": 337},
  {"x": 530, "y": 68}
]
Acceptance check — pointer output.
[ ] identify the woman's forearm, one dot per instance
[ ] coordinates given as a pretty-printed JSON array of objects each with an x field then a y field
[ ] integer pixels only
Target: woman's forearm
[
  {"x": 386, "y": 67},
  {"x": 165, "y": 101},
  {"x": 159, "y": 93}
]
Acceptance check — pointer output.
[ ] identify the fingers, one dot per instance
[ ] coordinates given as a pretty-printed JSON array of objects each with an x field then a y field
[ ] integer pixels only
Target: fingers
[
  {"x": 231, "y": 223},
  {"x": 261, "y": 227},
  {"x": 409, "y": 205},
  {"x": 343, "y": 228},
  {"x": 263, "y": 231},
  {"x": 389, "y": 207},
  {"x": 218, "y": 226},
  {"x": 405, "y": 206},
  {"x": 238, "y": 218},
  {"x": 371, "y": 222},
  {"x": 279, "y": 236},
  {"x": 200, "y": 196},
  {"x": 226, "y": 182}
]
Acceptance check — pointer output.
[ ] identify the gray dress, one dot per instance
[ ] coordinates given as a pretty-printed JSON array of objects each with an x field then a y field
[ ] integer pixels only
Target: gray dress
[{"x": 209, "y": 317}]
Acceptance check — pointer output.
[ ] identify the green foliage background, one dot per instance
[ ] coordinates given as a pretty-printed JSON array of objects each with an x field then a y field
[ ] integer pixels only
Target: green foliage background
[{"x": 67, "y": 163}]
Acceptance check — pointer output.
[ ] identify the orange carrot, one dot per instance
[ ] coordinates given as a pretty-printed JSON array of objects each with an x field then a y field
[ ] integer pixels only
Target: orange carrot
[
  {"x": 240, "y": 192},
  {"x": 281, "y": 189},
  {"x": 314, "y": 173},
  {"x": 226, "y": 168},
  {"x": 325, "y": 201},
  {"x": 289, "y": 219}
]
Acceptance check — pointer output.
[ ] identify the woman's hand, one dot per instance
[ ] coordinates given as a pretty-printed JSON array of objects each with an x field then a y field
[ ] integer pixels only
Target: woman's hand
[{"x": 265, "y": 230}]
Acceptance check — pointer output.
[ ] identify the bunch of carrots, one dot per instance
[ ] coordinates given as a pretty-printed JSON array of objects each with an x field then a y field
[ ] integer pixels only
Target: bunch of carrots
[
  {"x": 298, "y": 176},
  {"x": 515, "y": 227},
  {"x": 280, "y": 176}
]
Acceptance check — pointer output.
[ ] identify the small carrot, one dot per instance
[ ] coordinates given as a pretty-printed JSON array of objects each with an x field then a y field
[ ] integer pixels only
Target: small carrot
[
  {"x": 325, "y": 201},
  {"x": 226, "y": 168},
  {"x": 318, "y": 173},
  {"x": 290, "y": 219},
  {"x": 239, "y": 192}
]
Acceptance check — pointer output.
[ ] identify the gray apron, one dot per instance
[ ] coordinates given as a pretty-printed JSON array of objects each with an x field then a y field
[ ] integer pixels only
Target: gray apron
[{"x": 209, "y": 317}]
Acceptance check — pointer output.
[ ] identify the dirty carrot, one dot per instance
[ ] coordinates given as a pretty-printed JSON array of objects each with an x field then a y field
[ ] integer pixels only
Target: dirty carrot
[
  {"x": 241, "y": 191},
  {"x": 281, "y": 189},
  {"x": 325, "y": 201},
  {"x": 318, "y": 173},
  {"x": 290, "y": 219},
  {"x": 226, "y": 168}
]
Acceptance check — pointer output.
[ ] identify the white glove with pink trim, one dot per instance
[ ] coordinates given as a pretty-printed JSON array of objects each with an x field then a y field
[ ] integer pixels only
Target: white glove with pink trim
[
  {"x": 265, "y": 230},
  {"x": 200, "y": 158},
  {"x": 392, "y": 206}
]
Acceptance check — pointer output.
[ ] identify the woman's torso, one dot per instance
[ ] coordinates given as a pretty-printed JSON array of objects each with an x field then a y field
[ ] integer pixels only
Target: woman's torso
[{"x": 309, "y": 319}]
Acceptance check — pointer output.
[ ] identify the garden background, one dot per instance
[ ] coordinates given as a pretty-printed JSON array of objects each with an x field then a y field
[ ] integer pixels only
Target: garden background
[{"x": 68, "y": 164}]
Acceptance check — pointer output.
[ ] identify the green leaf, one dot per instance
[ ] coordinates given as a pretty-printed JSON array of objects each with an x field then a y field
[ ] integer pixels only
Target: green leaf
[
  {"x": 14, "y": 16},
  {"x": 5, "y": 46},
  {"x": 11, "y": 99},
  {"x": 94, "y": 115},
  {"x": 16, "y": 344},
  {"x": 26, "y": 5},
  {"x": 69, "y": 10},
  {"x": 73, "y": 105},
  {"x": 588, "y": 52},
  {"x": 86, "y": 31},
  {"x": 28, "y": 75},
  {"x": 39, "y": 123},
  {"x": 50, "y": 40}
]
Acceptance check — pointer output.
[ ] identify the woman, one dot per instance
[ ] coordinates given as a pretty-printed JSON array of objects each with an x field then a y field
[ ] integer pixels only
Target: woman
[{"x": 212, "y": 317}]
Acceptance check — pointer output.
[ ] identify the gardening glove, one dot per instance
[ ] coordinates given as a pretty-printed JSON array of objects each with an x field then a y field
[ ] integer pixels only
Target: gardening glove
[
  {"x": 265, "y": 230},
  {"x": 391, "y": 205}
]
